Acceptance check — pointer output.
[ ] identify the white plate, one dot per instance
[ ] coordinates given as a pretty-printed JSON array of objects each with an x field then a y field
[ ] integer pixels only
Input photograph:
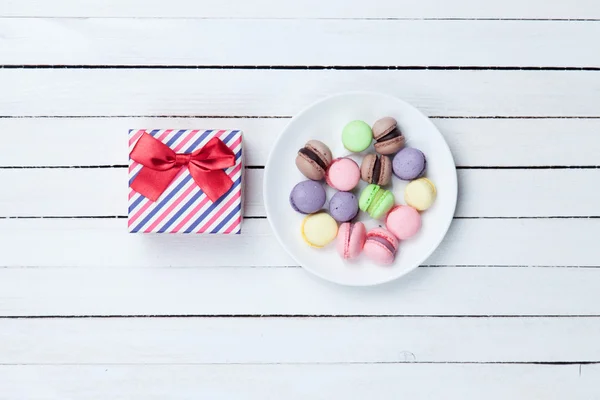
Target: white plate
[{"x": 324, "y": 121}]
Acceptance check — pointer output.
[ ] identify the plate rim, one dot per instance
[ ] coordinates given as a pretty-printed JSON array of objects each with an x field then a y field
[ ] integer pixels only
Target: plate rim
[{"x": 438, "y": 241}]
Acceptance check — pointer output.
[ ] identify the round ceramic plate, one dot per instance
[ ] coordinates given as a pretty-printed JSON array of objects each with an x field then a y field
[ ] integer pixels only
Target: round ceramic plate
[{"x": 324, "y": 121}]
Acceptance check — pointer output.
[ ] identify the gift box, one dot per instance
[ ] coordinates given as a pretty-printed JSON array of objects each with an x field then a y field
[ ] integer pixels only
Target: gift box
[{"x": 185, "y": 181}]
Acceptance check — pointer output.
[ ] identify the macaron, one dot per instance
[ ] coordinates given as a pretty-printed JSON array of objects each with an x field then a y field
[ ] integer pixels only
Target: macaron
[
  {"x": 381, "y": 246},
  {"x": 376, "y": 169},
  {"x": 313, "y": 159},
  {"x": 357, "y": 136},
  {"x": 420, "y": 194},
  {"x": 343, "y": 206},
  {"x": 343, "y": 174},
  {"x": 351, "y": 239},
  {"x": 319, "y": 229},
  {"x": 376, "y": 201},
  {"x": 403, "y": 221},
  {"x": 388, "y": 138},
  {"x": 308, "y": 197},
  {"x": 409, "y": 163}
]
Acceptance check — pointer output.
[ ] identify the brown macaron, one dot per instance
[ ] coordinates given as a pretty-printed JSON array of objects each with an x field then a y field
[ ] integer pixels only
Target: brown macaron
[
  {"x": 388, "y": 138},
  {"x": 376, "y": 169},
  {"x": 314, "y": 159}
]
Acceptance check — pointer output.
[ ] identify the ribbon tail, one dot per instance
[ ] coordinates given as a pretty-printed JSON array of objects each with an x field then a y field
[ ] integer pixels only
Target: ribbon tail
[
  {"x": 152, "y": 183},
  {"x": 213, "y": 183}
]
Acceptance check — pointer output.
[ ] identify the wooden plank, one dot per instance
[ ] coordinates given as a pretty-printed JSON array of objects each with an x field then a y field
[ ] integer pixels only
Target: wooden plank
[
  {"x": 483, "y": 193},
  {"x": 83, "y": 243},
  {"x": 128, "y": 41},
  {"x": 337, "y": 9},
  {"x": 283, "y": 291},
  {"x": 102, "y": 141},
  {"x": 88, "y": 192},
  {"x": 526, "y": 193},
  {"x": 522, "y": 142},
  {"x": 357, "y": 381},
  {"x": 114, "y": 92},
  {"x": 298, "y": 340},
  {"x": 474, "y": 142}
]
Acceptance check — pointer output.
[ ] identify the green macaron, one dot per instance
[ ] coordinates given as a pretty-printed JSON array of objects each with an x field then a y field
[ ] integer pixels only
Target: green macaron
[
  {"x": 357, "y": 136},
  {"x": 376, "y": 201}
]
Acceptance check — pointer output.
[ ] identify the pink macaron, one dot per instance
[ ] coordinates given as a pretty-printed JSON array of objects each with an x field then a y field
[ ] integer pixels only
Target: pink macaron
[
  {"x": 403, "y": 221},
  {"x": 351, "y": 239},
  {"x": 343, "y": 174},
  {"x": 381, "y": 246}
]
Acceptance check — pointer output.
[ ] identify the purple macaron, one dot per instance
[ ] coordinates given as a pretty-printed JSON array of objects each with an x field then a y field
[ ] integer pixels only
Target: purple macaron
[
  {"x": 409, "y": 163},
  {"x": 343, "y": 206},
  {"x": 308, "y": 197}
]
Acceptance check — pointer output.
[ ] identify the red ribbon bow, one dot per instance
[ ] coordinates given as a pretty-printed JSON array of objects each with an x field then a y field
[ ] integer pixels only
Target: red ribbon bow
[{"x": 161, "y": 165}]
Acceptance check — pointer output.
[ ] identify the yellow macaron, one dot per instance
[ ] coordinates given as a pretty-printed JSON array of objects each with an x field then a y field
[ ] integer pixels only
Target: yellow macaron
[
  {"x": 319, "y": 229},
  {"x": 420, "y": 194}
]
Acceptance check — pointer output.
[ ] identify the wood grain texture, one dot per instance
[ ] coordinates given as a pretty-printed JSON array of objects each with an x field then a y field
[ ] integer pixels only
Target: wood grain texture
[
  {"x": 114, "y": 92},
  {"x": 298, "y": 340},
  {"x": 357, "y": 381},
  {"x": 292, "y": 291},
  {"x": 483, "y": 193},
  {"x": 84, "y": 243},
  {"x": 474, "y": 142},
  {"x": 336, "y": 9},
  {"x": 506, "y": 307},
  {"x": 90, "y": 41}
]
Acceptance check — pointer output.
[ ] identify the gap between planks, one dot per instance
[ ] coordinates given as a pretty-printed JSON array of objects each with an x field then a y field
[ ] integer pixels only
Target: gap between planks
[
  {"x": 288, "y": 116},
  {"x": 17, "y": 16},
  {"x": 306, "y": 67},
  {"x": 264, "y": 217},
  {"x": 293, "y": 316},
  {"x": 318, "y": 363},
  {"x": 263, "y": 167},
  {"x": 161, "y": 116},
  {"x": 297, "y": 267}
]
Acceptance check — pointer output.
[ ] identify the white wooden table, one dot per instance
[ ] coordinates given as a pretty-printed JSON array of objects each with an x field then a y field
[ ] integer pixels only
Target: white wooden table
[{"x": 507, "y": 308}]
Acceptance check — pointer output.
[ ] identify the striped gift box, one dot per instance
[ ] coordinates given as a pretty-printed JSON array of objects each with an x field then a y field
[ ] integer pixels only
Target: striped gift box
[{"x": 183, "y": 207}]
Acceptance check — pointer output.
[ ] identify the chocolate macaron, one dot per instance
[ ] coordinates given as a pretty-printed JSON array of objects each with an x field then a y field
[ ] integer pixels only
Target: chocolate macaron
[
  {"x": 376, "y": 169},
  {"x": 388, "y": 138},
  {"x": 314, "y": 159}
]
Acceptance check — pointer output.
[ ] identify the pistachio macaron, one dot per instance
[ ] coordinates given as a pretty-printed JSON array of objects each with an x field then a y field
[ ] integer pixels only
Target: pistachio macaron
[
  {"x": 357, "y": 136},
  {"x": 387, "y": 135},
  {"x": 376, "y": 169},
  {"x": 420, "y": 194},
  {"x": 314, "y": 159},
  {"x": 376, "y": 201}
]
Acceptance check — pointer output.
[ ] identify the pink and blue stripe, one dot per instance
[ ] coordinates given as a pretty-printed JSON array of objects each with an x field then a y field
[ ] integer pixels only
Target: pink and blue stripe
[
  {"x": 200, "y": 199},
  {"x": 184, "y": 207},
  {"x": 180, "y": 182},
  {"x": 172, "y": 140},
  {"x": 174, "y": 195},
  {"x": 174, "y": 208},
  {"x": 140, "y": 227}
]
